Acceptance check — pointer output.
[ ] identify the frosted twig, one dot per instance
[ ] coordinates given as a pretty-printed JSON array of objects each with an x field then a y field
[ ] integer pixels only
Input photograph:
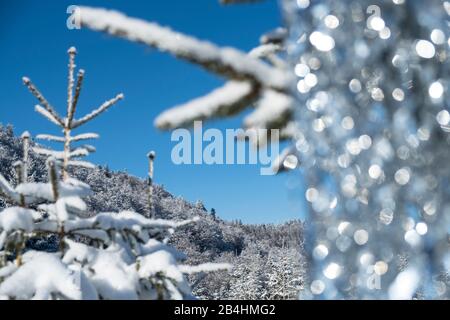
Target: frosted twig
[
  {"x": 53, "y": 177},
  {"x": 50, "y": 153},
  {"x": 105, "y": 106},
  {"x": 47, "y": 115},
  {"x": 50, "y": 137},
  {"x": 205, "y": 267},
  {"x": 151, "y": 159},
  {"x": 84, "y": 136},
  {"x": 82, "y": 164},
  {"x": 42, "y": 100},
  {"x": 80, "y": 78},
  {"x": 26, "y": 149},
  {"x": 227, "y": 100}
]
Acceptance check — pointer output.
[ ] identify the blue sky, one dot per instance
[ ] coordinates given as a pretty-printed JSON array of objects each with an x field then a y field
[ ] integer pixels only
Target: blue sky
[{"x": 34, "y": 41}]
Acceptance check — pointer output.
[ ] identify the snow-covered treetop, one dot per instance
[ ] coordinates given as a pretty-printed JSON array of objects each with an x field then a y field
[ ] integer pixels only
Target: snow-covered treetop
[
  {"x": 68, "y": 156},
  {"x": 252, "y": 75}
]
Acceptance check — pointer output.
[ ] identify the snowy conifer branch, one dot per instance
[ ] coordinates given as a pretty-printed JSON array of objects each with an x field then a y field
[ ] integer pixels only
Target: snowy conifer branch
[
  {"x": 80, "y": 78},
  {"x": 49, "y": 153},
  {"x": 47, "y": 115},
  {"x": 151, "y": 161},
  {"x": 205, "y": 267},
  {"x": 227, "y": 62},
  {"x": 50, "y": 137},
  {"x": 239, "y": 1},
  {"x": 7, "y": 190},
  {"x": 228, "y": 100},
  {"x": 84, "y": 136},
  {"x": 70, "y": 105},
  {"x": 275, "y": 36},
  {"x": 56, "y": 118},
  {"x": 105, "y": 106},
  {"x": 53, "y": 178}
]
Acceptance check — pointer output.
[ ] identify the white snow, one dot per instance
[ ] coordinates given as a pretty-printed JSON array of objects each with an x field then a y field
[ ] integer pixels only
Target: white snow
[
  {"x": 49, "y": 153},
  {"x": 14, "y": 218},
  {"x": 42, "y": 275},
  {"x": 264, "y": 50},
  {"x": 205, "y": 267},
  {"x": 8, "y": 190},
  {"x": 221, "y": 101}
]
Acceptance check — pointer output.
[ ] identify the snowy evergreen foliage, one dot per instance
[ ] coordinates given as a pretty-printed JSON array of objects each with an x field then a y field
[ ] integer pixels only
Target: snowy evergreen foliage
[
  {"x": 207, "y": 240},
  {"x": 373, "y": 121},
  {"x": 259, "y": 79},
  {"x": 100, "y": 255}
]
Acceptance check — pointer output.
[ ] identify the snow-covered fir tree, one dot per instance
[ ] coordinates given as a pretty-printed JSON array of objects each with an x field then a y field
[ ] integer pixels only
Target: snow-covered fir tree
[{"x": 102, "y": 256}]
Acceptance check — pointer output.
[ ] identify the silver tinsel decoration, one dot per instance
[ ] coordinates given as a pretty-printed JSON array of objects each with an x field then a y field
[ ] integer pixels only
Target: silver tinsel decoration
[{"x": 374, "y": 143}]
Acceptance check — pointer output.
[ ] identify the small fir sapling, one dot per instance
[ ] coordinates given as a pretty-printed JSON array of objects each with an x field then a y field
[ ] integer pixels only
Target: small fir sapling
[
  {"x": 151, "y": 159},
  {"x": 70, "y": 155}
]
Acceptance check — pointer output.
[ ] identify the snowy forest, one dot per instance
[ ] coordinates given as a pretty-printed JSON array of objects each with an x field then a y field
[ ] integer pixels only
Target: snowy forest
[{"x": 358, "y": 93}]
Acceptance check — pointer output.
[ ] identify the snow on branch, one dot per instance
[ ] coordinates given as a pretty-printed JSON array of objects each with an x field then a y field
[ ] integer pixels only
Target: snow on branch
[
  {"x": 225, "y": 101},
  {"x": 239, "y": 1},
  {"x": 105, "y": 106},
  {"x": 205, "y": 267},
  {"x": 80, "y": 78},
  {"x": 273, "y": 111},
  {"x": 50, "y": 137},
  {"x": 224, "y": 61},
  {"x": 286, "y": 160},
  {"x": 56, "y": 118},
  {"x": 68, "y": 123},
  {"x": 44, "y": 275},
  {"x": 49, "y": 116}
]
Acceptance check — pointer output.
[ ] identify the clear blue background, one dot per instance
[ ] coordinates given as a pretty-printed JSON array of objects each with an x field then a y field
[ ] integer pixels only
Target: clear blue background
[{"x": 34, "y": 40}]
